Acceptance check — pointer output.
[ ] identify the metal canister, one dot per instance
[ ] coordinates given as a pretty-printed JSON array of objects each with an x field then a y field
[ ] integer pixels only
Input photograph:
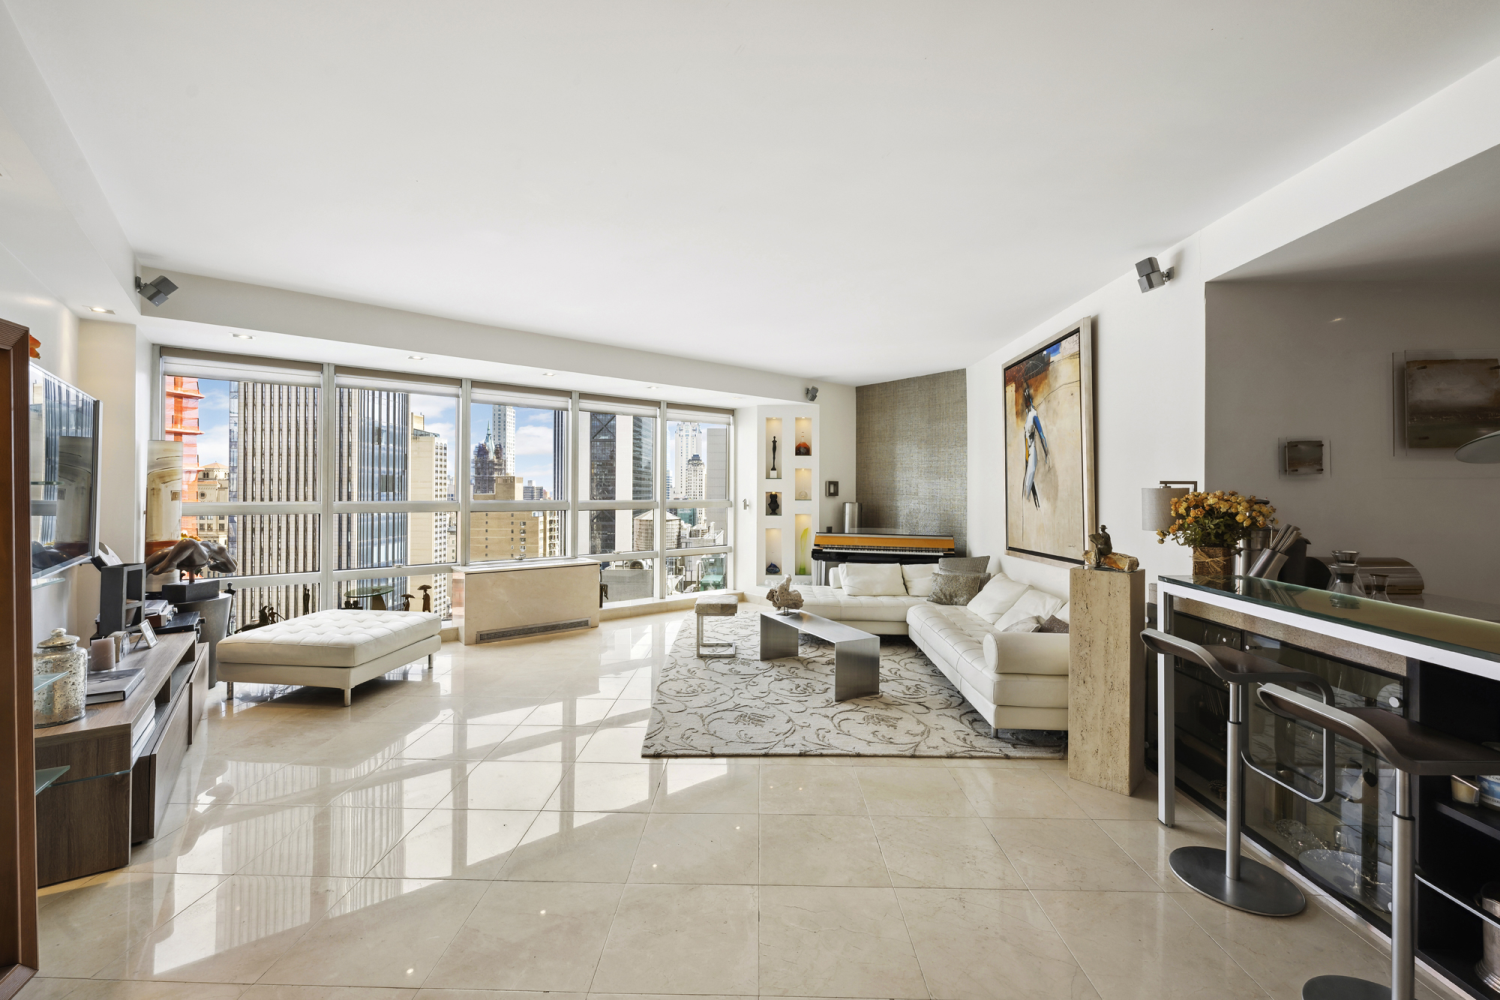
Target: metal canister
[
  {"x": 1489, "y": 966},
  {"x": 851, "y": 518}
]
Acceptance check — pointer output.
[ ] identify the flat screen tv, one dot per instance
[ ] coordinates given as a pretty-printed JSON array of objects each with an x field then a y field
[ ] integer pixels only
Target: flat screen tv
[{"x": 64, "y": 474}]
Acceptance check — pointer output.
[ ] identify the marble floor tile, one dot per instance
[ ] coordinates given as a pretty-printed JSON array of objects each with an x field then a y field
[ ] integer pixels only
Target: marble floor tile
[
  {"x": 455, "y": 843},
  {"x": 681, "y": 939},
  {"x": 383, "y": 932},
  {"x": 576, "y": 847},
  {"x": 96, "y": 923},
  {"x": 611, "y": 745},
  {"x": 234, "y": 932},
  {"x": 725, "y": 785},
  {"x": 407, "y": 784},
  {"x": 1023, "y": 793},
  {"x": 552, "y": 744},
  {"x": 104, "y": 989},
  {"x": 943, "y": 852},
  {"x": 990, "y": 944},
  {"x": 1150, "y": 844},
  {"x": 281, "y": 992},
  {"x": 464, "y": 742},
  {"x": 912, "y": 791},
  {"x": 594, "y": 787},
  {"x": 499, "y": 784},
  {"x": 1067, "y": 854},
  {"x": 820, "y": 850},
  {"x": 219, "y": 840},
  {"x": 337, "y": 841},
  {"x": 835, "y": 942},
  {"x": 1099, "y": 803},
  {"x": 530, "y": 936},
  {"x": 711, "y": 848},
  {"x": 793, "y": 788},
  {"x": 1140, "y": 945}
]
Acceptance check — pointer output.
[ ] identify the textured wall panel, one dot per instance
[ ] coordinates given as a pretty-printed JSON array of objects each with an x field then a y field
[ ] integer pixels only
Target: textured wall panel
[{"x": 912, "y": 454}]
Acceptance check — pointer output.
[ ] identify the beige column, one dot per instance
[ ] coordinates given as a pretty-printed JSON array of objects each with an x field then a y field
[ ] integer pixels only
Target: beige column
[{"x": 1107, "y": 678}]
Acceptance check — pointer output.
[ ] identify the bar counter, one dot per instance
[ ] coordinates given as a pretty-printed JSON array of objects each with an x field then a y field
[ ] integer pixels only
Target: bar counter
[{"x": 1440, "y": 669}]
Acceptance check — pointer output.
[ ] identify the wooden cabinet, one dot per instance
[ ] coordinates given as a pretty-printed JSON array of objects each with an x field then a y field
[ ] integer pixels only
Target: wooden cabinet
[{"x": 123, "y": 760}]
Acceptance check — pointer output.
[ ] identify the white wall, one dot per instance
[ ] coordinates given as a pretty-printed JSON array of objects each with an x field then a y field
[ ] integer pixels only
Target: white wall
[
  {"x": 1315, "y": 360},
  {"x": 836, "y": 442}
]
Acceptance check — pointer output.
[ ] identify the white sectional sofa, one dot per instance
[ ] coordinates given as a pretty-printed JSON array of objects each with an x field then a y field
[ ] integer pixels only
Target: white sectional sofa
[{"x": 1016, "y": 680}]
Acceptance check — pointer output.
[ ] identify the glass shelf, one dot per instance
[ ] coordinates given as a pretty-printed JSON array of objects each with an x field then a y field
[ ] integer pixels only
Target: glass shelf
[
  {"x": 47, "y": 775},
  {"x": 39, "y": 681},
  {"x": 1470, "y": 636}
]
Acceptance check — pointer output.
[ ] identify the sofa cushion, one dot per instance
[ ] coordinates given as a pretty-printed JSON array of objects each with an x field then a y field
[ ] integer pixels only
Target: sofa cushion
[
  {"x": 955, "y": 588},
  {"x": 1034, "y": 602},
  {"x": 918, "y": 577},
  {"x": 873, "y": 580},
  {"x": 1026, "y": 653},
  {"x": 997, "y": 597},
  {"x": 959, "y": 638},
  {"x": 833, "y": 602},
  {"x": 330, "y": 638}
]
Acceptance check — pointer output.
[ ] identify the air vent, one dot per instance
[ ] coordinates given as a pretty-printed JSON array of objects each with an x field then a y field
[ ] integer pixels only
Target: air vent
[{"x": 496, "y": 634}]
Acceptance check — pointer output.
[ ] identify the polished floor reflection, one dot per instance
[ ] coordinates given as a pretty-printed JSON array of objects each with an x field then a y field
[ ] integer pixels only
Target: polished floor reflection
[{"x": 491, "y": 826}]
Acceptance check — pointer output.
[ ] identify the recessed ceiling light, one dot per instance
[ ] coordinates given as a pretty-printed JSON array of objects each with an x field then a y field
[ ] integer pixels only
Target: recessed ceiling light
[
  {"x": 549, "y": 375},
  {"x": 1337, "y": 319},
  {"x": 651, "y": 387},
  {"x": 101, "y": 309},
  {"x": 415, "y": 357},
  {"x": 243, "y": 336}
]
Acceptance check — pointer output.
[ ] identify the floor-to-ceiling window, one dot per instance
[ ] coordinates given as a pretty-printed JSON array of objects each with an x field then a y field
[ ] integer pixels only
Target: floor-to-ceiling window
[{"x": 415, "y": 476}]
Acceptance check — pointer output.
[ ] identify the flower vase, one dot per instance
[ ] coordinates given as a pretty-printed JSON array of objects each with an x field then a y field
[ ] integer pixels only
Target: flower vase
[{"x": 1212, "y": 563}]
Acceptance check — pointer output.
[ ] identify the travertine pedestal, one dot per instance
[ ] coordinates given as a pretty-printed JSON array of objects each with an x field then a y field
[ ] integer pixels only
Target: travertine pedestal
[{"x": 1107, "y": 678}]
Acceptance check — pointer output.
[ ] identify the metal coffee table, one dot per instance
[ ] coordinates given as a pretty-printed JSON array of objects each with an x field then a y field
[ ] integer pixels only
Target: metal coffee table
[{"x": 856, "y": 654}]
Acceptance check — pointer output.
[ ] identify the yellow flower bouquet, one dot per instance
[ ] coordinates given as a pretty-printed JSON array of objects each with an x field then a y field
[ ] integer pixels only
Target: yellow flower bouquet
[{"x": 1220, "y": 519}]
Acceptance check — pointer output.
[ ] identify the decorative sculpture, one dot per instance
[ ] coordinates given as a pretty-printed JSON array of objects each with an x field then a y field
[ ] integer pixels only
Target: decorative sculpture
[
  {"x": 784, "y": 599},
  {"x": 268, "y": 615},
  {"x": 192, "y": 556},
  {"x": 1102, "y": 555},
  {"x": 426, "y": 590},
  {"x": 774, "y": 474},
  {"x": 406, "y": 600}
]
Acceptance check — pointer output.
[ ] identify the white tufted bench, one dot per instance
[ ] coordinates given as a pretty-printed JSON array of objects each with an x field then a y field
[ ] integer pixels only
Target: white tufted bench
[{"x": 336, "y": 649}]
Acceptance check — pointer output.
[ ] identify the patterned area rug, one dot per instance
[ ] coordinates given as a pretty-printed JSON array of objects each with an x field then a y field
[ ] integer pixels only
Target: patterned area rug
[{"x": 747, "y": 707}]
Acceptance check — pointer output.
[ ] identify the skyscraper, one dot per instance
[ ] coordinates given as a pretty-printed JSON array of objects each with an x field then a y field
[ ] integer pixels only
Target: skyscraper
[
  {"x": 431, "y": 534},
  {"x": 502, "y": 438},
  {"x": 687, "y": 442},
  {"x": 601, "y": 480},
  {"x": 182, "y": 424}
]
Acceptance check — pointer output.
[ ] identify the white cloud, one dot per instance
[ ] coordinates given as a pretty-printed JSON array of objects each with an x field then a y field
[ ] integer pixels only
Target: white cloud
[{"x": 533, "y": 441}]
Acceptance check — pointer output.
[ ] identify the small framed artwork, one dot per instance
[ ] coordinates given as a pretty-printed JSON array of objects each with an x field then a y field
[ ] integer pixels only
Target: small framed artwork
[
  {"x": 147, "y": 635},
  {"x": 1304, "y": 456}
]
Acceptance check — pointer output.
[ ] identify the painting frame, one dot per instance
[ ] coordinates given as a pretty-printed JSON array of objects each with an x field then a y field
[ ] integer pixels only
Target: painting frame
[{"x": 1062, "y": 541}]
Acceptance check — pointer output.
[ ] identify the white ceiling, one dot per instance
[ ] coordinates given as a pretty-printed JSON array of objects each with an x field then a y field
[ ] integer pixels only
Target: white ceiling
[
  {"x": 852, "y": 189},
  {"x": 1444, "y": 228}
]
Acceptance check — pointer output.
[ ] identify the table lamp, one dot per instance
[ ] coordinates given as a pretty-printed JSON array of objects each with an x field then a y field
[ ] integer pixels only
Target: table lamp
[{"x": 1156, "y": 502}]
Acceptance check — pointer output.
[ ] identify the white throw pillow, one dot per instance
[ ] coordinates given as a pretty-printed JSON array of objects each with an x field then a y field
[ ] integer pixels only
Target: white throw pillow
[
  {"x": 1033, "y": 602},
  {"x": 835, "y": 578},
  {"x": 918, "y": 579},
  {"x": 1028, "y": 624},
  {"x": 873, "y": 580},
  {"x": 997, "y": 597}
]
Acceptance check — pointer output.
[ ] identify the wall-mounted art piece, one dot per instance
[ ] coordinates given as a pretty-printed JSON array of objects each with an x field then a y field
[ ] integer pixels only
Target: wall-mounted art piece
[
  {"x": 1049, "y": 448},
  {"x": 1451, "y": 401}
]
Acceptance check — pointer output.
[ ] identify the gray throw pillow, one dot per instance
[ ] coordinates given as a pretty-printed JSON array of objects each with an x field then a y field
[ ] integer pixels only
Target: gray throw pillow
[
  {"x": 1054, "y": 624},
  {"x": 955, "y": 588},
  {"x": 964, "y": 564}
]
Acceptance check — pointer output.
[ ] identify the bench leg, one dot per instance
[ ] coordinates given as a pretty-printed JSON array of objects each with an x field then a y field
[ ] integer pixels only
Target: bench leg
[
  {"x": 348, "y": 697},
  {"x": 229, "y": 690},
  {"x": 429, "y": 661}
]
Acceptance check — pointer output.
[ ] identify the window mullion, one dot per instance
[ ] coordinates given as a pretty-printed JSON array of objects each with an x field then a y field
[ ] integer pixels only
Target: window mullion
[
  {"x": 328, "y": 462},
  {"x": 463, "y": 471}
]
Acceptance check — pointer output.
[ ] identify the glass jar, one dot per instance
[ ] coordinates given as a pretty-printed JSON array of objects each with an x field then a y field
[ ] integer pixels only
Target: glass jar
[
  {"x": 60, "y": 699},
  {"x": 1345, "y": 572},
  {"x": 1377, "y": 587}
]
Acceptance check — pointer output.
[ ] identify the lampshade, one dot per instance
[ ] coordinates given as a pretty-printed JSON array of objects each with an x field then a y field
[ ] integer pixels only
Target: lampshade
[
  {"x": 1156, "y": 506},
  {"x": 1481, "y": 451}
]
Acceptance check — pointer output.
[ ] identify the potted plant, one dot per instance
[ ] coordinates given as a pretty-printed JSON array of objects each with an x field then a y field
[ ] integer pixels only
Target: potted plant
[{"x": 1213, "y": 525}]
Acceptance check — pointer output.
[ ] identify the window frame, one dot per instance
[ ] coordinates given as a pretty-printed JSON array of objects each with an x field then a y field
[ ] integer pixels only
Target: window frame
[{"x": 573, "y": 406}]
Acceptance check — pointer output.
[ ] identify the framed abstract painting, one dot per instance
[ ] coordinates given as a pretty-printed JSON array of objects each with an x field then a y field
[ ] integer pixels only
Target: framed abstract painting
[{"x": 1049, "y": 448}]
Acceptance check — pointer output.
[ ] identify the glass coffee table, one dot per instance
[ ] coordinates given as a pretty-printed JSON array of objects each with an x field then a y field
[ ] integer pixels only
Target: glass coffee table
[{"x": 856, "y": 654}]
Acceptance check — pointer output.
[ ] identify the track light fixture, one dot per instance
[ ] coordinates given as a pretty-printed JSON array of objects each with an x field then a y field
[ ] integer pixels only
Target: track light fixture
[
  {"x": 1150, "y": 275},
  {"x": 155, "y": 292}
]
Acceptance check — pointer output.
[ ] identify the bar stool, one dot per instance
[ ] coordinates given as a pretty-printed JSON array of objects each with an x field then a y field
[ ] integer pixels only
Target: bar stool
[
  {"x": 1228, "y": 876},
  {"x": 1410, "y": 748}
]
